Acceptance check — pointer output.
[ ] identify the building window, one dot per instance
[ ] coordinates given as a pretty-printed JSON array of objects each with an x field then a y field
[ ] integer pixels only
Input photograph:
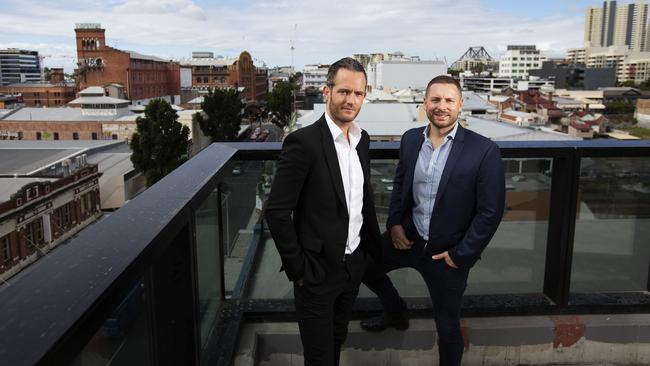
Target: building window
[
  {"x": 114, "y": 137},
  {"x": 56, "y": 135},
  {"x": 38, "y": 135},
  {"x": 75, "y": 135},
  {"x": 65, "y": 215},
  {"x": 94, "y": 136},
  {"x": 5, "y": 249}
]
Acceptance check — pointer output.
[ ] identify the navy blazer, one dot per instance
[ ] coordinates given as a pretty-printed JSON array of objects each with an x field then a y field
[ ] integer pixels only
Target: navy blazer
[{"x": 470, "y": 200}]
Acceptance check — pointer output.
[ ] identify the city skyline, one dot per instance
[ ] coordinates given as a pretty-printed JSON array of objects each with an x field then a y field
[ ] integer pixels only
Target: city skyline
[{"x": 324, "y": 32}]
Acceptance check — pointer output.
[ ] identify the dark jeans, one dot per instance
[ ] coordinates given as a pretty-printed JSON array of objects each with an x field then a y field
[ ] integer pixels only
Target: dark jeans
[
  {"x": 446, "y": 287},
  {"x": 323, "y": 318}
]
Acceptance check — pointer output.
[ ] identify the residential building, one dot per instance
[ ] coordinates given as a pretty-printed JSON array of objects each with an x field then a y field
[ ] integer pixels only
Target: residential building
[
  {"x": 617, "y": 25},
  {"x": 519, "y": 59},
  {"x": 630, "y": 65},
  {"x": 576, "y": 76},
  {"x": 19, "y": 66},
  {"x": 314, "y": 77},
  {"x": 143, "y": 77},
  {"x": 624, "y": 94},
  {"x": 403, "y": 73}
]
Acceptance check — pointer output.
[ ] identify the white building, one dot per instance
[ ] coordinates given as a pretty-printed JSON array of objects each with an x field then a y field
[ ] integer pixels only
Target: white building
[
  {"x": 519, "y": 59},
  {"x": 314, "y": 76},
  {"x": 404, "y": 74}
]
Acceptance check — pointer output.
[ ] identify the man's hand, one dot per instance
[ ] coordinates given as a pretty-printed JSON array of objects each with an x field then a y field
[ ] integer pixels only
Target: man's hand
[
  {"x": 446, "y": 257},
  {"x": 400, "y": 241},
  {"x": 300, "y": 283}
]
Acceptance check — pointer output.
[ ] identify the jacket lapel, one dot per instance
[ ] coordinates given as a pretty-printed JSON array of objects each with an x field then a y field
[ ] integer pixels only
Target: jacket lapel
[
  {"x": 452, "y": 161},
  {"x": 410, "y": 160},
  {"x": 329, "y": 151}
]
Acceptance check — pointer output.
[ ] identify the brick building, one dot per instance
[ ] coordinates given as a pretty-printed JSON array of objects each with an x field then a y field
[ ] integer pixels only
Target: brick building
[
  {"x": 38, "y": 213},
  {"x": 143, "y": 77},
  {"x": 99, "y": 117},
  {"x": 209, "y": 72},
  {"x": 41, "y": 95}
]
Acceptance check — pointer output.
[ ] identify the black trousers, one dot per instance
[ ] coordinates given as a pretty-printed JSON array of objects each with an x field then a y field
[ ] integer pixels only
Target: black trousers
[
  {"x": 446, "y": 287},
  {"x": 323, "y": 318}
]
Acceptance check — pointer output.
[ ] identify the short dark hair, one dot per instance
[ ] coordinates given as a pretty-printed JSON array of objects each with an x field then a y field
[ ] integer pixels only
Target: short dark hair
[
  {"x": 347, "y": 63},
  {"x": 444, "y": 79}
]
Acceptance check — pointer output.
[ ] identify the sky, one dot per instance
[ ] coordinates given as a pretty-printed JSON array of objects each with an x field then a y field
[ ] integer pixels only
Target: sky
[{"x": 320, "y": 31}]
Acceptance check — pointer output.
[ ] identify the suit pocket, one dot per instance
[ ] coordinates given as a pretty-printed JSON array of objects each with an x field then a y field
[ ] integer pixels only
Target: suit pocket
[
  {"x": 314, "y": 262},
  {"x": 313, "y": 244}
]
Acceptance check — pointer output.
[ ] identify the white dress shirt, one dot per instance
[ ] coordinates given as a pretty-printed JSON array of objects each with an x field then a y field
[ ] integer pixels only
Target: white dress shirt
[{"x": 352, "y": 174}]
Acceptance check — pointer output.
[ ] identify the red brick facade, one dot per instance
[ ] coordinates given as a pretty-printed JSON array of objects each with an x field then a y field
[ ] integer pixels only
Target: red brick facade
[
  {"x": 39, "y": 216},
  {"x": 143, "y": 77},
  {"x": 35, "y": 95},
  {"x": 241, "y": 73},
  {"x": 43, "y": 130}
]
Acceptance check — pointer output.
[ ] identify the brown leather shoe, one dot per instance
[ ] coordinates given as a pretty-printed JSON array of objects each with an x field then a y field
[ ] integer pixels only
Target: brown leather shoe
[{"x": 383, "y": 321}]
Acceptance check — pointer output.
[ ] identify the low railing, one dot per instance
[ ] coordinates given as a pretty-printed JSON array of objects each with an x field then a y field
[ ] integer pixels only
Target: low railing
[{"x": 153, "y": 283}]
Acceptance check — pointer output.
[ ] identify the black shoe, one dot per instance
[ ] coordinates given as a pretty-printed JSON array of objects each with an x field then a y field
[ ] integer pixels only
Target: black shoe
[{"x": 383, "y": 321}]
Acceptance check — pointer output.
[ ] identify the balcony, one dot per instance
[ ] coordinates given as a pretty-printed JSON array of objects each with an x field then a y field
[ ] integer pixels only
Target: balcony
[{"x": 180, "y": 273}]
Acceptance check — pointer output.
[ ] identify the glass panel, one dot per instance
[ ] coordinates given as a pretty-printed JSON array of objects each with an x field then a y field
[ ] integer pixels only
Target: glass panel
[
  {"x": 208, "y": 263},
  {"x": 611, "y": 249},
  {"x": 124, "y": 338},
  {"x": 244, "y": 192},
  {"x": 512, "y": 263}
]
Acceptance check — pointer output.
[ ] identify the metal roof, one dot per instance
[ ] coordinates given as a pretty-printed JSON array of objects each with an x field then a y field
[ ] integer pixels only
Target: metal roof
[
  {"x": 99, "y": 100},
  {"x": 64, "y": 114}
]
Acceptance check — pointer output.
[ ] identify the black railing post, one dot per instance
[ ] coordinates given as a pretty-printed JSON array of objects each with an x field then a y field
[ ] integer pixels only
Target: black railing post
[
  {"x": 561, "y": 227},
  {"x": 174, "y": 303}
]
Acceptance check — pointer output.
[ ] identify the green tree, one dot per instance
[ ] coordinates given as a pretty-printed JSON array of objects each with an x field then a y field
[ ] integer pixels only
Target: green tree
[
  {"x": 47, "y": 74},
  {"x": 645, "y": 85},
  {"x": 160, "y": 142},
  {"x": 453, "y": 72},
  {"x": 628, "y": 84},
  {"x": 619, "y": 107},
  {"x": 279, "y": 103},
  {"x": 223, "y": 108}
]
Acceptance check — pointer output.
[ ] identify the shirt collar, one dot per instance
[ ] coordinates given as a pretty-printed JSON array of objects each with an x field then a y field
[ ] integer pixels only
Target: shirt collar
[
  {"x": 450, "y": 136},
  {"x": 354, "y": 131}
]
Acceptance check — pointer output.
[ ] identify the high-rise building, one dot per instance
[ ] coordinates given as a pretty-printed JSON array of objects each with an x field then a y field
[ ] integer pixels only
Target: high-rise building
[
  {"x": 19, "y": 66},
  {"x": 617, "y": 25},
  {"x": 519, "y": 59}
]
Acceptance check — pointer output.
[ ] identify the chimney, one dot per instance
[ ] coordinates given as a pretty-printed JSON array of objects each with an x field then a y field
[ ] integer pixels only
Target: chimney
[{"x": 56, "y": 76}]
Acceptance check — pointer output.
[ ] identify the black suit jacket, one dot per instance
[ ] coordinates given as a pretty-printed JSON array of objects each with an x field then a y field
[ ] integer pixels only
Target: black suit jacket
[
  {"x": 470, "y": 199},
  {"x": 306, "y": 209}
]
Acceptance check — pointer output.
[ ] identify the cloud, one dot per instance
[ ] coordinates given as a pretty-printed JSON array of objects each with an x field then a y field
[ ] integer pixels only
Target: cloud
[{"x": 325, "y": 31}]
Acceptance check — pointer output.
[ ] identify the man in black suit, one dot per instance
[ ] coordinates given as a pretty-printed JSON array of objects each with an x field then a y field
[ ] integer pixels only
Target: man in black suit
[
  {"x": 447, "y": 202},
  {"x": 321, "y": 214}
]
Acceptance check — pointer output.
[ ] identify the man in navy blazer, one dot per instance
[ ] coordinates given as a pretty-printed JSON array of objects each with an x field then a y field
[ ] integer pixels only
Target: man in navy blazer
[{"x": 447, "y": 202}]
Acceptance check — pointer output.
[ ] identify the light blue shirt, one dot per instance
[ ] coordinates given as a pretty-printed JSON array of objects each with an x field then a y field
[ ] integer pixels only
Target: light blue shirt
[{"x": 426, "y": 179}]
